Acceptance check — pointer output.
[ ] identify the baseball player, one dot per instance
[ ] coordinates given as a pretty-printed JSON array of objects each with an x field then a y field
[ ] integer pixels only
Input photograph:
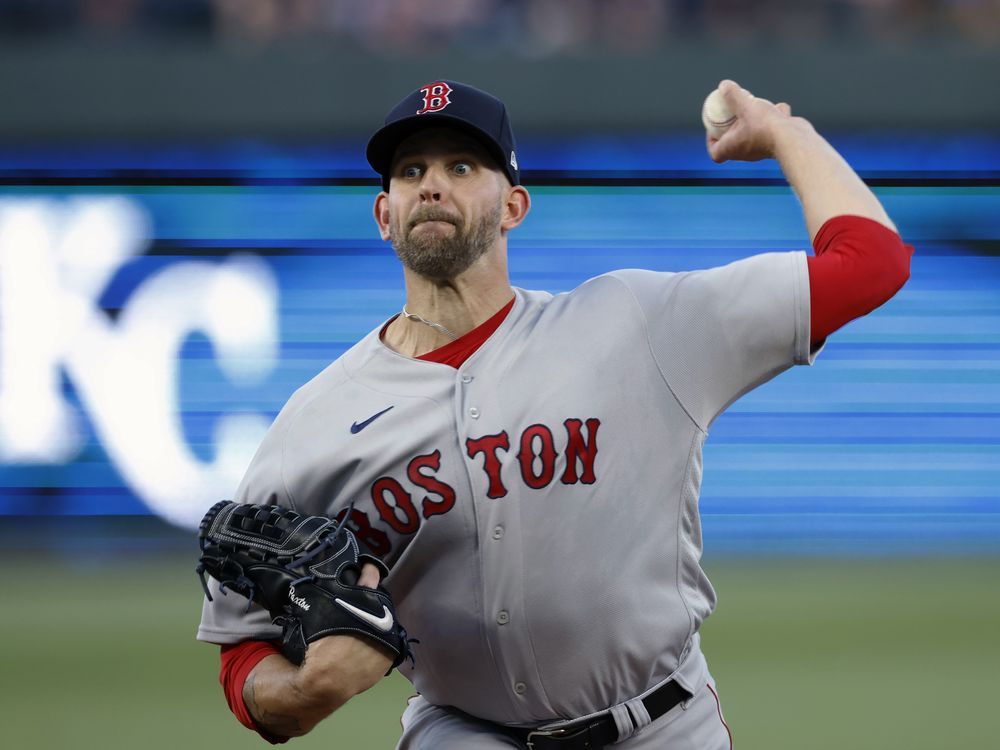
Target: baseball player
[{"x": 527, "y": 465}]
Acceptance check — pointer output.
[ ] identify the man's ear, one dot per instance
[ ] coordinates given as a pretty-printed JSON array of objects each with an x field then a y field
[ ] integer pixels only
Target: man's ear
[
  {"x": 515, "y": 207},
  {"x": 381, "y": 211}
]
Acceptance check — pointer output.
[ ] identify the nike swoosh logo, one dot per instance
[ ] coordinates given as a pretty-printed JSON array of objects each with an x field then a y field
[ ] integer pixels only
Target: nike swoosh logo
[
  {"x": 359, "y": 426},
  {"x": 383, "y": 623}
]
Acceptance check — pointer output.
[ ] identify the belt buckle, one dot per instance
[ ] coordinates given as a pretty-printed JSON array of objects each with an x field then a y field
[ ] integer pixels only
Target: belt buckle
[{"x": 553, "y": 733}]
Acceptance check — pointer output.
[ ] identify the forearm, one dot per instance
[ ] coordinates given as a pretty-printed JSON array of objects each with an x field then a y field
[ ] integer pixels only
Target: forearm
[
  {"x": 826, "y": 185},
  {"x": 279, "y": 703},
  {"x": 288, "y": 701}
]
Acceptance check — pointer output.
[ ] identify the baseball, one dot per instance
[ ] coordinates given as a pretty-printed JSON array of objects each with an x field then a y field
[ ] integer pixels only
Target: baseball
[{"x": 716, "y": 114}]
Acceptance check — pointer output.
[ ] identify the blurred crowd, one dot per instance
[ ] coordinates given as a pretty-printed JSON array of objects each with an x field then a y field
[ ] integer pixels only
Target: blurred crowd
[{"x": 524, "y": 27}]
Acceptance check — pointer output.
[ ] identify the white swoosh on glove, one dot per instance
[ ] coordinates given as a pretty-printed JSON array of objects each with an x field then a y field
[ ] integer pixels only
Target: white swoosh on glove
[{"x": 383, "y": 623}]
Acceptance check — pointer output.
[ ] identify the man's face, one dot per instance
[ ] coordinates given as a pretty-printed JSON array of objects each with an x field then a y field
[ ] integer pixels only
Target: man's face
[{"x": 445, "y": 202}]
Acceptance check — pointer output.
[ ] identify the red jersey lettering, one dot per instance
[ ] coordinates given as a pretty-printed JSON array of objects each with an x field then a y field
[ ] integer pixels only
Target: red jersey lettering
[
  {"x": 579, "y": 450},
  {"x": 546, "y": 456},
  {"x": 430, "y": 483},
  {"x": 488, "y": 445},
  {"x": 386, "y": 488}
]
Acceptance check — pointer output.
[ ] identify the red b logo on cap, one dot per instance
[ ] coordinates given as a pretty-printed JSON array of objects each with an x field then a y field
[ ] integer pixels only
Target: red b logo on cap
[{"x": 435, "y": 97}]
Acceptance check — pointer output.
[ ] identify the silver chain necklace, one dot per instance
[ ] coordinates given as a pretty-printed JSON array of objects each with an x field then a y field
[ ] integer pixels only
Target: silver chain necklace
[{"x": 431, "y": 323}]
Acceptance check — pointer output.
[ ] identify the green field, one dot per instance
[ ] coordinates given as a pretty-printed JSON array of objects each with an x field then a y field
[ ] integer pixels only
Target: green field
[{"x": 808, "y": 654}]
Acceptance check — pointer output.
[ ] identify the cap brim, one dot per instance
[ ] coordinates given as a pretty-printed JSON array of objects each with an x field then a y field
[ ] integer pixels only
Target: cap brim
[{"x": 382, "y": 146}]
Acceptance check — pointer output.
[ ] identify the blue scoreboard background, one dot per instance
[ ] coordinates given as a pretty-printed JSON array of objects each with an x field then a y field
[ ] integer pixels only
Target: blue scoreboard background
[{"x": 159, "y": 305}]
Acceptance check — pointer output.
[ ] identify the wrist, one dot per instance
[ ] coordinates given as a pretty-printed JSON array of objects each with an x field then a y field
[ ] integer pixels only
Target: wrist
[{"x": 788, "y": 133}]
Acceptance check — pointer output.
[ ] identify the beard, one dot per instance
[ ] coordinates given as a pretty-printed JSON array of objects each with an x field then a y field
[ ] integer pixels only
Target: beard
[{"x": 444, "y": 257}]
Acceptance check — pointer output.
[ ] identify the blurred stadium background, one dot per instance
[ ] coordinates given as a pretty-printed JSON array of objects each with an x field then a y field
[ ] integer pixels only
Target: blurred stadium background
[{"x": 185, "y": 238}]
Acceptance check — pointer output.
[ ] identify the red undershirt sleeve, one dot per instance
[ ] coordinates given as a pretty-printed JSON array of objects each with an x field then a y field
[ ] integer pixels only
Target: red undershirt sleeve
[
  {"x": 859, "y": 265},
  {"x": 238, "y": 661}
]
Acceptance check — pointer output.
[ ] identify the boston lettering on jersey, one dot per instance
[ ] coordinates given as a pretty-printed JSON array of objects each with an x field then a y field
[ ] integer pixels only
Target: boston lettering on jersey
[{"x": 536, "y": 458}]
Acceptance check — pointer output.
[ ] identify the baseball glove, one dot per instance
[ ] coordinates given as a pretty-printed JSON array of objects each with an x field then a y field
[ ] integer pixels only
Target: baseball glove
[{"x": 303, "y": 570}]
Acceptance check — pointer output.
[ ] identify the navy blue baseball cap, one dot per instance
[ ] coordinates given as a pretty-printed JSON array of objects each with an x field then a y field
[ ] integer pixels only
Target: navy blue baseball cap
[{"x": 451, "y": 104}]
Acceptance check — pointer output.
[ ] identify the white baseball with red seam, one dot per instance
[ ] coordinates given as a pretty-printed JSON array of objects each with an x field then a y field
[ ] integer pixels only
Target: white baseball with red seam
[{"x": 716, "y": 114}]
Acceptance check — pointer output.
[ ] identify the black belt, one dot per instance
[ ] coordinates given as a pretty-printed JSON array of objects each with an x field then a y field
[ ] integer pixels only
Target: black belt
[{"x": 595, "y": 733}]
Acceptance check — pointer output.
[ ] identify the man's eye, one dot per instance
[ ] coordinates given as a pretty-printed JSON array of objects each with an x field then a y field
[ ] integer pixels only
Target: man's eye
[
  {"x": 411, "y": 172},
  {"x": 463, "y": 168}
]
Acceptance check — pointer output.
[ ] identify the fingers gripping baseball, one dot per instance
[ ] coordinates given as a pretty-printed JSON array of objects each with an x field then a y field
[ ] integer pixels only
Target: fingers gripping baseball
[{"x": 751, "y": 135}]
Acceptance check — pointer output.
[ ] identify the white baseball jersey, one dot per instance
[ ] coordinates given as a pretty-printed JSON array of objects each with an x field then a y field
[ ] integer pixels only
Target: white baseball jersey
[{"x": 538, "y": 506}]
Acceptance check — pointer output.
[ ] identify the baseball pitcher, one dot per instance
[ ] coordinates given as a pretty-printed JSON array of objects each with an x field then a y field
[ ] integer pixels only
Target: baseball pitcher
[{"x": 496, "y": 491}]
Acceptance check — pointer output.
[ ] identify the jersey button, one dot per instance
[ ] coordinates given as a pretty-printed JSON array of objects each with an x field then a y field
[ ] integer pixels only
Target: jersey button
[
  {"x": 520, "y": 688},
  {"x": 474, "y": 412},
  {"x": 498, "y": 532},
  {"x": 466, "y": 378},
  {"x": 503, "y": 617}
]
